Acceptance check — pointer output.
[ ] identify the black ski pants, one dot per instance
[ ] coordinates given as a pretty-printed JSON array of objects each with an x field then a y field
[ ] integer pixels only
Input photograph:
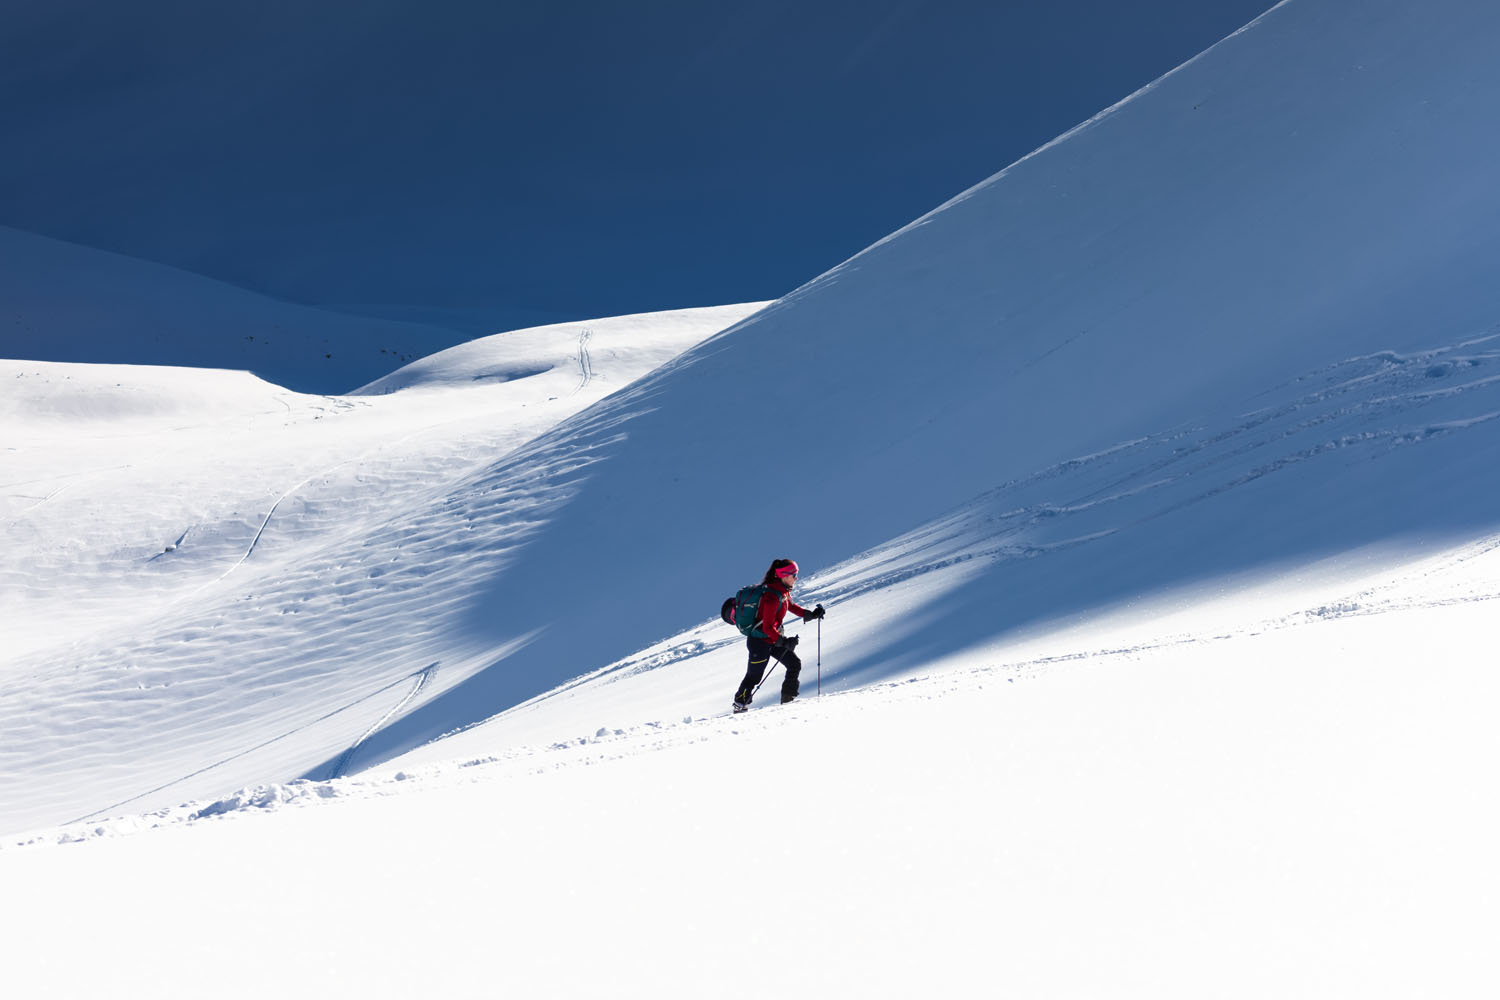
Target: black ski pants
[{"x": 761, "y": 654}]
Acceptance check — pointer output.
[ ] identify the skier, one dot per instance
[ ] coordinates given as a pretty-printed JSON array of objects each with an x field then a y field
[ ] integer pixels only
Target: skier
[{"x": 766, "y": 640}]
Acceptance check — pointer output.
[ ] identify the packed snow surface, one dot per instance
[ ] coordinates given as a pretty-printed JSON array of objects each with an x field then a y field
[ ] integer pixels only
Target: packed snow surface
[{"x": 1150, "y": 489}]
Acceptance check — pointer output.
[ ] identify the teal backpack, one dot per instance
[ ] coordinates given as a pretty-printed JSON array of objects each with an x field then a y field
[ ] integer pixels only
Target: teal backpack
[{"x": 740, "y": 610}]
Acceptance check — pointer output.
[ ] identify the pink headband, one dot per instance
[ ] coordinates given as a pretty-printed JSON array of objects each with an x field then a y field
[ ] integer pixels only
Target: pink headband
[{"x": 787, "y": 570}]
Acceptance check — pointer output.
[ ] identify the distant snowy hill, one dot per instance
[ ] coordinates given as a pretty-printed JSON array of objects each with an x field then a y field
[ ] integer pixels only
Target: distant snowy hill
[{"x": 64, "y": 302}]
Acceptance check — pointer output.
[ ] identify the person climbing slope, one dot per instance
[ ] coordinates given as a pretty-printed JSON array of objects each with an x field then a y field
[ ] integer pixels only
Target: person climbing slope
[{"x": 765, "y": 639}]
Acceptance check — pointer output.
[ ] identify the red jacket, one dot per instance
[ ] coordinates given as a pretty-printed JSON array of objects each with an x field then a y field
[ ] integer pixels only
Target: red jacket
[{"x": 774, "y": 604}]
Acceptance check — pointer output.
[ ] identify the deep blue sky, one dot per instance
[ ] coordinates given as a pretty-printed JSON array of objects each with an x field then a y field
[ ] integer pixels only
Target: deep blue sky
[{"x": 542, "y": 161}]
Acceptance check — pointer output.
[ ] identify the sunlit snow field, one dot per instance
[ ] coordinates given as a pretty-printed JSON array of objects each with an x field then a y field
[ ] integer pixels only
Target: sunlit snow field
[{"x": 1149, "y": 485}]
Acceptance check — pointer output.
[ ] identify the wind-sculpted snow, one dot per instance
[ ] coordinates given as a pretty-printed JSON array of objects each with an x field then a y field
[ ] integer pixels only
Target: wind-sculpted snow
[{"x": 236, "y": 583}]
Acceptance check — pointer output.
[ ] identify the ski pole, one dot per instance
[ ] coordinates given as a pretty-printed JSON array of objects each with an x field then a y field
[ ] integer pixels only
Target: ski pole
[
  {"x": 820, "y": 657},
  {"x": 776, "y": 663},
  {"x": 769, "y": 670}
]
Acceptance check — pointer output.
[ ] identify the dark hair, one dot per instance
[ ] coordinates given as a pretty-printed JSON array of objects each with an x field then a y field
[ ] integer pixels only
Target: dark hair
[{"x": 775, "y": 565}]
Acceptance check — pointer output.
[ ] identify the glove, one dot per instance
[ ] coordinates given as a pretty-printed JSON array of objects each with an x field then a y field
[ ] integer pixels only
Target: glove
[
  {"x": 816, "y": 612},
  {"x": 787, "y": 642}
]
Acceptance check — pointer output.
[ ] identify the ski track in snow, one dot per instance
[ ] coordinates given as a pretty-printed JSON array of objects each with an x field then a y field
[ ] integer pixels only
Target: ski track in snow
[
  {"x": 77, "y": 478},
  {"x": 1431, "y": 584},
  {"x": 1412, "y": 590},
  {"x": 1363, "y": 403},
  {"x": 359, "y": 461},
  {"x": 420, "y": 679},
  {"x": 585, "y": 361},
  {"x": 1177, "y": 468}
]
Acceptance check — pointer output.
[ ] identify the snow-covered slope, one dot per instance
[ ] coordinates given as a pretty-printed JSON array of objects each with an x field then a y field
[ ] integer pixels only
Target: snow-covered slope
[
  {"x": 218, "y": 579},
  {"x": 1236, "y": 325},
  {"x": 1149, "y": 486},
  {"x": 1288, "y": 808},
  {"x": 1241, "y": 322},
  {"x": 64, "y": 302}
]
